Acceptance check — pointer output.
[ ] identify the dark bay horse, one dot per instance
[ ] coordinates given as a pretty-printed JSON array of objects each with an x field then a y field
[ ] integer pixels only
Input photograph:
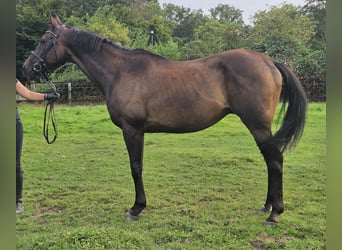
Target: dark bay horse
[{"x": 148, "y": 93}]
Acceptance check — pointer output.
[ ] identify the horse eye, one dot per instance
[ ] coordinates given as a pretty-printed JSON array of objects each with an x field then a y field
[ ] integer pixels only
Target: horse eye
[{"x": 42, "y": 41}]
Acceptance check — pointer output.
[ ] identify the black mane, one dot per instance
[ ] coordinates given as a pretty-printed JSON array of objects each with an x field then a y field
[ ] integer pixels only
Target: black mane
[{"x": 87, "y": 40}]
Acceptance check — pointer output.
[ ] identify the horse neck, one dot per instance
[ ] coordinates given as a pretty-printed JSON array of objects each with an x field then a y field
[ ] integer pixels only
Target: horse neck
[{"x": 101, "y": 65}]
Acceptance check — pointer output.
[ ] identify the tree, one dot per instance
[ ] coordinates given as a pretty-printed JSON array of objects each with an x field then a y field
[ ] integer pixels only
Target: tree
[
  {"x": 313, "y": 65},
  {"x": 185, "y": 22},
  {"x": 31, "y": 20},
  {"x": 104, "y": 23},
  {"x": 213, "y": 37},
  {"x": 316, "y": 10},
  {"x": 282, "y": 32},
  {"x": 290, "y": 35},
  {"x": 225, "y": 13},
  {"x": 209, "y": 39},
  {"x": 146, "y": 17}
]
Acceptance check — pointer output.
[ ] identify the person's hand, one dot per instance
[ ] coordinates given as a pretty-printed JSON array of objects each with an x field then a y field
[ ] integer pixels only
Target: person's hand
[{"x": 51, "y": 96}]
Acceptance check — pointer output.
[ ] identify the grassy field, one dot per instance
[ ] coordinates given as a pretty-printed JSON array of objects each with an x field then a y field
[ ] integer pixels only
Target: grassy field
[{"x": 203, "y": 189}]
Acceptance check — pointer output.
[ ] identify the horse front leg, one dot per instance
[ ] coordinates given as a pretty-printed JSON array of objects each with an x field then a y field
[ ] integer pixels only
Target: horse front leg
[{"x": 134, "y": 139}]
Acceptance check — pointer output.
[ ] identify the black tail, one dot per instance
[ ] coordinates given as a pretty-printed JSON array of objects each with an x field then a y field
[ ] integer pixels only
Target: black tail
[{"x": 292, "y": 126}]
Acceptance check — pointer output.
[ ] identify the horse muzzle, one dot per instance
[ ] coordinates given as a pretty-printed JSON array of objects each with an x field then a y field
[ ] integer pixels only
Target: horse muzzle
[{"x": 32, "y": 72}]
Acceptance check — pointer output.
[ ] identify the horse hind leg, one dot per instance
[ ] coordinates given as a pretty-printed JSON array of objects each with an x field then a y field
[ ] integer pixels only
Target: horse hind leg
[
  {"x": 274, "y": 161},
  {"x": 274, "y": 199}
]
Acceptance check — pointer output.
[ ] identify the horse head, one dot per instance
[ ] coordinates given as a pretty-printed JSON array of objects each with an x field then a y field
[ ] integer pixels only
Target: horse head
[{"x": 49, "y": 54}]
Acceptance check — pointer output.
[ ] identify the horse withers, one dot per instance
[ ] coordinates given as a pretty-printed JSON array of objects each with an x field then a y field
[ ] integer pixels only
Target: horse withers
[{"x": 147, "y": 93}]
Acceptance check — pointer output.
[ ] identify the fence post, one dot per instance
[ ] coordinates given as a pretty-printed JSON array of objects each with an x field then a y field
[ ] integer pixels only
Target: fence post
[
  {"x": 69, "y": 92},
  {"x": 33, "y": 87}
]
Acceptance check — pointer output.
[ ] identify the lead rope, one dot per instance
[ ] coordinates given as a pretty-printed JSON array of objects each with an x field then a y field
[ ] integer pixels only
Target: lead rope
[{"x": 50, "y": 116}]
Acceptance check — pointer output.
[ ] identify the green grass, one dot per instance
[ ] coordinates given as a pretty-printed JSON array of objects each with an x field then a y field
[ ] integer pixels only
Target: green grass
[{"x": 203, "y": 189}]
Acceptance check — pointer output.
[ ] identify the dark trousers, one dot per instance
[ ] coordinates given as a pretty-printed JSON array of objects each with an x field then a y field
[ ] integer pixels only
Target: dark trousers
[{"x": 19, "y": 144}]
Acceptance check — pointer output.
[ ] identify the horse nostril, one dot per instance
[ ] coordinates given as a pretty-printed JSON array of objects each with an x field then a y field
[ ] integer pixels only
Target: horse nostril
[{"x": 23, "y": 68}]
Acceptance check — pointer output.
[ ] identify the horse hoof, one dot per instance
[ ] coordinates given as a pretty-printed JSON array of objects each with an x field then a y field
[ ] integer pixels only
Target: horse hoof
[
  {"x": 131, "y": 217},
  {"x": 270, "y": 223}
]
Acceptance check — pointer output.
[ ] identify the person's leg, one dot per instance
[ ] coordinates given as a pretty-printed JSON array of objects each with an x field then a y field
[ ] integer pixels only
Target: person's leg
[{"x": 19, "y": 173}]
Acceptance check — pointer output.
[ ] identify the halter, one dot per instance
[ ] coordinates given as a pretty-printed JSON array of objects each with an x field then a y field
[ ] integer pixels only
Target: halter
[
  {"x": 40, "y": 67},
  {"x": 42, "y": 70}
]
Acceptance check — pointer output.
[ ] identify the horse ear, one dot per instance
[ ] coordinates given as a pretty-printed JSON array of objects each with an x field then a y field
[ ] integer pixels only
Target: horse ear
[
  {"x": 55, "y": 21},
  {"x": 58, "y": 20}
]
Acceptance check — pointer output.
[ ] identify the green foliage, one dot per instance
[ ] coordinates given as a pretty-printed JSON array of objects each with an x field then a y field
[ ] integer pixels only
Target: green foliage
[
  {"x": 311, "y": 66},
  {"x": 209, "y": 39},
  {"x": 169, "y": 50},
  {"x": 284, "y": 21},
  {"x": 68, "y": 73},
  {"x": 31, "y": 21},
  {"x": 286, "y": 34},
  {"x": 316, "y": 10},
  {"x": 213, "y": 37},
  {"x": 227, "y": 14},
  {"x": 185, "y": 22},
  {"x": 203, "y": 189},
  {"x": 104, "y": 23},
  {"x": 282, "y": 32}
]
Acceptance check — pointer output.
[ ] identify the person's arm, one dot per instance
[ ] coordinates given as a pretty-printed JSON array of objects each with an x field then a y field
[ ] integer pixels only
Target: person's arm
[
  {"x": 34, "y": 96},
  {"x": 28, "y": 94}
]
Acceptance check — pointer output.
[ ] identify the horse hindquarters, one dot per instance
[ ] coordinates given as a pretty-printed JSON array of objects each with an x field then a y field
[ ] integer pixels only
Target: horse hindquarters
[
  {"x": 255, "y": 100},
  {"x": 258, "y": 115}
]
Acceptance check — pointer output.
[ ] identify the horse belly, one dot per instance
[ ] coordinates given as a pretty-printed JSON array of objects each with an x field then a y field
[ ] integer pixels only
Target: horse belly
[
  {"x": 182, "y": 119},
  {"x": 186, "y": 98}
]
